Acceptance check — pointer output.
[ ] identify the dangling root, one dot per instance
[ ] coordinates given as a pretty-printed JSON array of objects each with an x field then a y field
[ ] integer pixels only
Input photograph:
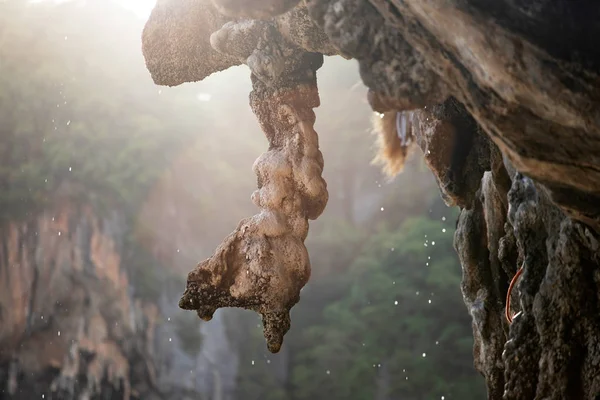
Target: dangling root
[{"x": 392, "y": 151}]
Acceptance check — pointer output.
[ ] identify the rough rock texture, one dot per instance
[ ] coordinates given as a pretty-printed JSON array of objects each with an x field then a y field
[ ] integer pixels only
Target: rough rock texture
[
  {"x": 73, "y": 328},
  {"x": 503, "y": 98},
  {"x": 68, "y": 326},
  {"x": 263, "y": 264},
  {"x": 177, "y": 49}
]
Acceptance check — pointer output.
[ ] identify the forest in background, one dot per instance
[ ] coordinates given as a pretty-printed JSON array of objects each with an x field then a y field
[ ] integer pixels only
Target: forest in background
[{"x": 382, "y": 317}]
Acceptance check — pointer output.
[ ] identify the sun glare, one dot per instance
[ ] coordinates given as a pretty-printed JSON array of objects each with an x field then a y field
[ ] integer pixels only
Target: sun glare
[{"x": 142, "y": 8}]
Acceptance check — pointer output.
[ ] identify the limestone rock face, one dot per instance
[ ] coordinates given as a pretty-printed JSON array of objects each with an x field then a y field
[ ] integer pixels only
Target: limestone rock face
[
  {"x": 67, "y": 321},
  {"x": 503, "y": 98}
]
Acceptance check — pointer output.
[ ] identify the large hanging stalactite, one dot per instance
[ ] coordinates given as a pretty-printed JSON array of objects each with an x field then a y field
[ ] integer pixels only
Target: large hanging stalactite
[{"x": 263, "y": 264}]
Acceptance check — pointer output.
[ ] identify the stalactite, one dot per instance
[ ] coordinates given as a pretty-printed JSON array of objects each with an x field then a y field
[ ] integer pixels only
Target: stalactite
[{"x": 263, "y": 264}]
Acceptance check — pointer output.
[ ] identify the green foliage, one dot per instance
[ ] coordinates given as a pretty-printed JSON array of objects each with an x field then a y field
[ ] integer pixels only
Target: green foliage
[
  {"x": 400, "y": 329},
  {"x": 71, "y": 114}
]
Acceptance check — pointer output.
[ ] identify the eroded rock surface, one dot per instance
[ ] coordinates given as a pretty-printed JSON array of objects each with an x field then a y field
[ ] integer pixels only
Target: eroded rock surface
[
  {"x": 503, "y": 99},
  {"x": 69, "y": 328},
  {"x": 264, "y": 264}
]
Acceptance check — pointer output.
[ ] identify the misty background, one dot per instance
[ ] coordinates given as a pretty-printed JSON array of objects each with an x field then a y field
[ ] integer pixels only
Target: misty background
[{"x": 82, "y": 126}]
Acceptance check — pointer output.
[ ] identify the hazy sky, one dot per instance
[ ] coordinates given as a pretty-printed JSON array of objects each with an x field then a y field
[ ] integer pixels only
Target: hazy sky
[{"x": 141, "y": 7}]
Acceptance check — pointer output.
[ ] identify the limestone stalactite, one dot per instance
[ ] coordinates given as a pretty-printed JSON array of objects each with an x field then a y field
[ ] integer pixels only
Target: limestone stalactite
[{"x": 264, "y": 264}]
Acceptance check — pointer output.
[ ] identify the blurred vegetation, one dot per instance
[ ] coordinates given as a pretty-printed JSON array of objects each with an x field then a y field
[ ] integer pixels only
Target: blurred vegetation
[{"x": 382, "y": 317}]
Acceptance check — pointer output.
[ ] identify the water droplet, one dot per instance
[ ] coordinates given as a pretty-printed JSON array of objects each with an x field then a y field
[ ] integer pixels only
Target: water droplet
[
  {"x": 382, "y": 208},
  {"x": 393, "y": 249},
  {"x": 70, "y": 169},
  {"x": 429, "y": 301},
  {"x": 168, "y": 319},
  {"x": 59, "y": 233},
  {"x": 204, "y": 96},
  {"x": 444, "y": 230},
  {"x": 68, "y": 122},
  {"x": 396, "y": 302},
  {"x": 328, "y": 372},
  {"x": 436, "y": 342},
  {"x": 58, "y": 333},
  {"x": 433, "y": 243},
  {"x": 252, "y": 362},
  {"x": 443, "y": 218},
  {"x": 66, "y": 37},
  {"x": 170, "y": 340},
  {"x": 424, "y": 355},
  {"x": 417, "y": 293},
  {"x": 442, "y": 397}
]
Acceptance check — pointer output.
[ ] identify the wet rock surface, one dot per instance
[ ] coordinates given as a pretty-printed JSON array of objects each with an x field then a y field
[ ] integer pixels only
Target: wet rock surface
[{"x": 503, "y": 100}]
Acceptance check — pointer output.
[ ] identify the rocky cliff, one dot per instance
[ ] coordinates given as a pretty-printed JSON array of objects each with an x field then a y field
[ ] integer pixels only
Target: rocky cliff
[
  {"x": 73, "y": 327},
  {"x": 68, "y": 320},
  {"x": 502, "y": 98}
]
